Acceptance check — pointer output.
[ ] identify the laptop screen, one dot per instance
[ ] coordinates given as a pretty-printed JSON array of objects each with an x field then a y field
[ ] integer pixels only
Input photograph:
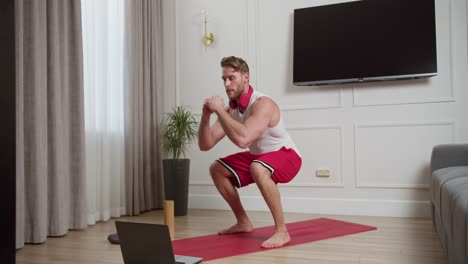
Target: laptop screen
[{"x": 143, "y": 243}]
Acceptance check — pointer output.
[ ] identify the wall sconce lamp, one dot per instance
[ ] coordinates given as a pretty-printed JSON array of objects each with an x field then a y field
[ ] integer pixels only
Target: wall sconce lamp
[{"x": 208, "y": 37}]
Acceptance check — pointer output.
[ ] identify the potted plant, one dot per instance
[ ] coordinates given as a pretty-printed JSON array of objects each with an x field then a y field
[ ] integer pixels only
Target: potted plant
[{"x": 179, "y": 130}]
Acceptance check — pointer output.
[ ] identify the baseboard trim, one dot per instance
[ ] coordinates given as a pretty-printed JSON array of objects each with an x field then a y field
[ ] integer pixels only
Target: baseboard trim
[{"x": 389, "y": 208}]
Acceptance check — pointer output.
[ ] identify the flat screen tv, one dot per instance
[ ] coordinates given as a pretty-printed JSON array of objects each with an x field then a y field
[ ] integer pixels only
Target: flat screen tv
[{"x": 369, "y": 40}]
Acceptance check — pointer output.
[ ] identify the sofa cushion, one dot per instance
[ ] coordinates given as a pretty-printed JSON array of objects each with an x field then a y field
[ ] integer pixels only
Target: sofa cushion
[
  {"x": 442, "y": 176},
  {"x": 458, "y": 245},
  {"x": 452, "y": 191},
  {"x": 439, "y": 178}
]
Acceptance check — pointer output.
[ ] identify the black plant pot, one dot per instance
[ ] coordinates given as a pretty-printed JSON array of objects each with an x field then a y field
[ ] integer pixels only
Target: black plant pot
[{"x": 176, "y": 181}]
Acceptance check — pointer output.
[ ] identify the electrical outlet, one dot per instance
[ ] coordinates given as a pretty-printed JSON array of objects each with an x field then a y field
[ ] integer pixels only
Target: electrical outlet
[{"x": 322, "y": 173}]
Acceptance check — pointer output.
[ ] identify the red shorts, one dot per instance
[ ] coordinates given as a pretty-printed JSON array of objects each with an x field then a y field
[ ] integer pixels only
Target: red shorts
[{"x": 284, "y": 164}]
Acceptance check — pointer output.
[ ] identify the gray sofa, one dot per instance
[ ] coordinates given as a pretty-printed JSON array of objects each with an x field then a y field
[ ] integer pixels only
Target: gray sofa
[{"x": 449, "y": 199}]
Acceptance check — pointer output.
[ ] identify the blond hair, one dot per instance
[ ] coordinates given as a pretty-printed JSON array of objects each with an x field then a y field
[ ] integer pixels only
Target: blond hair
[{"x": 238, "y": 64}]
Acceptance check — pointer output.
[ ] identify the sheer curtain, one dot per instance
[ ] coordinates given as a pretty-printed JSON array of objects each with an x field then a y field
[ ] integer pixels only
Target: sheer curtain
[
  {"x": 123, "y": 105},
  {"x": 103, "y": 28}
]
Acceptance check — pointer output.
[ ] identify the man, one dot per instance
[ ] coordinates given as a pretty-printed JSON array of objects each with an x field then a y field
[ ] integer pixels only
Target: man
[{"x": 252, "y": 121}]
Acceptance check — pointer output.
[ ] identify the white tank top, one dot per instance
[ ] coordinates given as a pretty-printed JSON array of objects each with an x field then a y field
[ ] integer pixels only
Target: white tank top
[{"x": 273, "y": 138}]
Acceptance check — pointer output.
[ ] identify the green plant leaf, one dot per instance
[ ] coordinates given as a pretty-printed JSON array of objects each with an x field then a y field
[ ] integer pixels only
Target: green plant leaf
[{"x": 179, "y": 130}]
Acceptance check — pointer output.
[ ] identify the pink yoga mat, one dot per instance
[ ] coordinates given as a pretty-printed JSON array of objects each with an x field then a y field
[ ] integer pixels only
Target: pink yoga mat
[{"x": 220, "y": 246}]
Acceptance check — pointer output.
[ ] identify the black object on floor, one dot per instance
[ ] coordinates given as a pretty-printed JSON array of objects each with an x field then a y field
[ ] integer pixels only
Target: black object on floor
[{"x": 113, "y": 238}]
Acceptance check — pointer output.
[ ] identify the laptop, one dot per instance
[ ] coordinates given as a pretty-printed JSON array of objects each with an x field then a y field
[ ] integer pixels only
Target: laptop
[{"x": 143, "y": 243}]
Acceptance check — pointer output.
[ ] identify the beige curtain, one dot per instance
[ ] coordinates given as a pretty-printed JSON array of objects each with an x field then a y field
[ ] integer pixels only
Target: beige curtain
[
  {"x": 143, "y": 105},
  {"x": 51, "y": 195}
]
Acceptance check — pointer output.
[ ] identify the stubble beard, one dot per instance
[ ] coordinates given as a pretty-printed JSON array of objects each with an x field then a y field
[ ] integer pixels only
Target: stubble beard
[{"x": 237, "y": 93}]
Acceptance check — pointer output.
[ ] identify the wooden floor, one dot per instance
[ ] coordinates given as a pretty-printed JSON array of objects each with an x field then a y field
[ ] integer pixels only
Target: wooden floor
[{"x": 396, "y": 240}]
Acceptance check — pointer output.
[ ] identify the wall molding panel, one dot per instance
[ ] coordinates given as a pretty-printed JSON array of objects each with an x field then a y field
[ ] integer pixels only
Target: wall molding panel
[
  {"x": 327, "y": 137},
  {"x": 384, "y": 161}
]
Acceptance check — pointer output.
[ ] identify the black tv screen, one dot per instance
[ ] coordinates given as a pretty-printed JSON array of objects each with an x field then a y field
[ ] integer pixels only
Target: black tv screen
[{"x": 367, "y": 40}]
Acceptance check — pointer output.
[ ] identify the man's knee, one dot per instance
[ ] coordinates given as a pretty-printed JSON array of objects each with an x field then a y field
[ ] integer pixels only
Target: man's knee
[
  {"x": 218, "y": 170},
  {"x": 259, "y": 173}
]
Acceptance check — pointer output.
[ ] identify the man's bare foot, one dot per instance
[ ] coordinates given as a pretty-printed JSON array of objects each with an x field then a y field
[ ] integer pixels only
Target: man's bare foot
[
  {"x": 237, "y": 228},
  {"x": 279, "y": 239}
]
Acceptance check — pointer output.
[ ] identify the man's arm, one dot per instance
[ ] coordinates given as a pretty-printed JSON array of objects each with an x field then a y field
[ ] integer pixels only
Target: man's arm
[
  {"x": 244, "y": 134},
  {"x": 208, "y": 136}
]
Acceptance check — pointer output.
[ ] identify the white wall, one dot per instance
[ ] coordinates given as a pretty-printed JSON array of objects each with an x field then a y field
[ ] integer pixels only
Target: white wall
[{"x": 376, "y": 138}]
